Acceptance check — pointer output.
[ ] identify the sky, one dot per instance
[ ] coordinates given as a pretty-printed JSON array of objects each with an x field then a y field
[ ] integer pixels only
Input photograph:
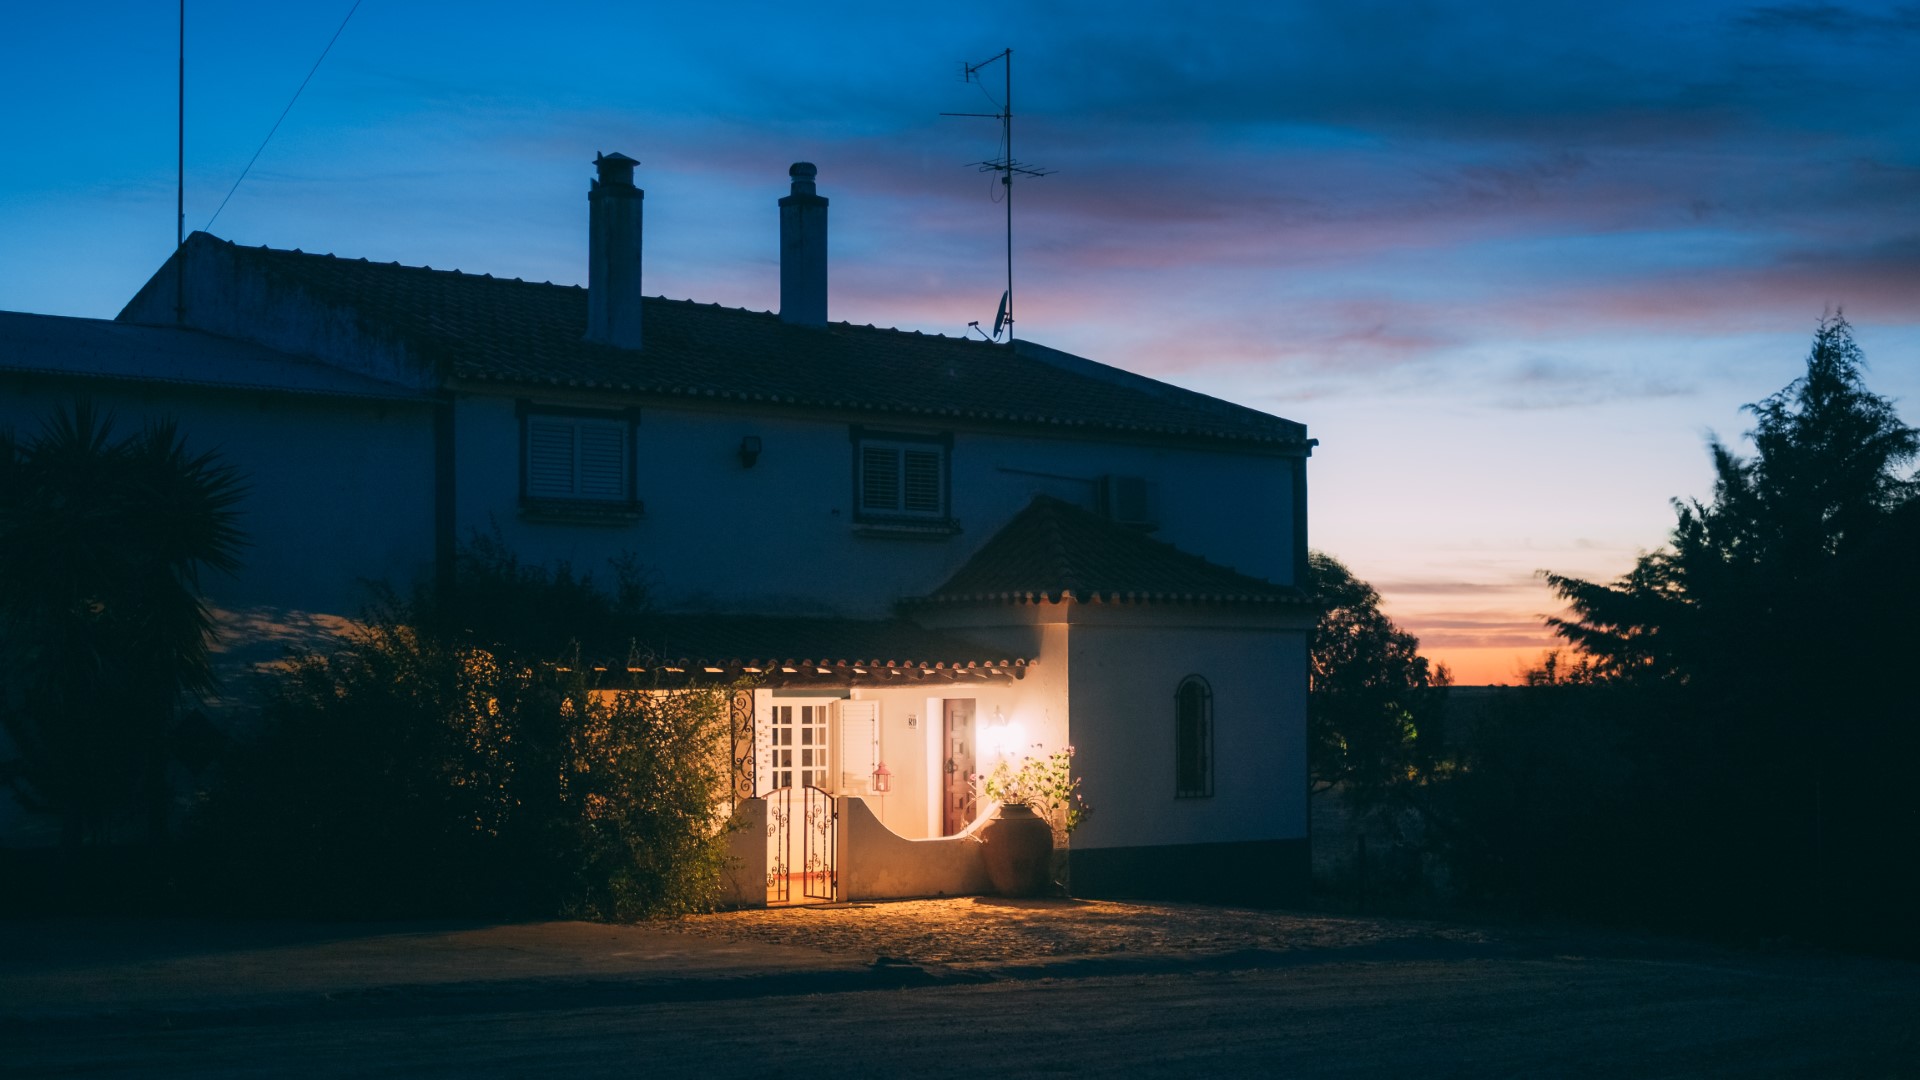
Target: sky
[{"x": 1513, "y": 264}]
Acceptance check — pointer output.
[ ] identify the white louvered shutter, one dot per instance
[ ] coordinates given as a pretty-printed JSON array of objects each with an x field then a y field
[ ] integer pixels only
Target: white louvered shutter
[
  {"x": 576, "y": 458},
  {"x": 879, "y": 478},
  {"x": 859, "y": 735},
  {"x": 550, "y": 471},
  {"x": 921, "y": 484},
  {"x": 603, "y": 459}
]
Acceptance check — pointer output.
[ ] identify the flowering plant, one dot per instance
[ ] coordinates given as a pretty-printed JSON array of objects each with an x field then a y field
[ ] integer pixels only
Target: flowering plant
[{"x": 1045, "y": 785}]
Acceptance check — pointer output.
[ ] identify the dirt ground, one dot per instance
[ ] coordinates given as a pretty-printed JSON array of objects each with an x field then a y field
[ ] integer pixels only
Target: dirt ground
[
  {"x": 987, "y": 930},
  {"x": 959, "y": 988}
]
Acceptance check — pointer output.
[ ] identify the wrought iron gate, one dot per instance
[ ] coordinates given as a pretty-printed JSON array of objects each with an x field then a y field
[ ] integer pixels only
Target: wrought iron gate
[
  {"x": 815, "y": 862},
  {"x": 740, "y": 750}
]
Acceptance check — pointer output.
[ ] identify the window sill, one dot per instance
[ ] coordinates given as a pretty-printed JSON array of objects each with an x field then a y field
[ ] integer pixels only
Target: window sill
[
  {"x": 907, "y": 528},
  {"x": 581, "y": 511}
]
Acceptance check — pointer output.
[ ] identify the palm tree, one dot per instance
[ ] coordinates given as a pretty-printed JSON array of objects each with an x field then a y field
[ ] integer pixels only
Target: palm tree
[{"x": 102, "y": 628}]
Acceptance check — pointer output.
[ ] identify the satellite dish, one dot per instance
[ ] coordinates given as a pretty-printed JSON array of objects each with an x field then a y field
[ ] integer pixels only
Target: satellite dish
[{"x": 1000, "y": 320}]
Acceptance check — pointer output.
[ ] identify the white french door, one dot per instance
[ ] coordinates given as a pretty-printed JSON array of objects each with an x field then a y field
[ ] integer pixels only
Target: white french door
[{"x": 797, "y": 735}]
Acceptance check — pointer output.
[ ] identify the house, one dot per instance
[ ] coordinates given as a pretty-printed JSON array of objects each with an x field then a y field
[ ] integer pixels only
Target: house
[{"x": 934, "y": 553}]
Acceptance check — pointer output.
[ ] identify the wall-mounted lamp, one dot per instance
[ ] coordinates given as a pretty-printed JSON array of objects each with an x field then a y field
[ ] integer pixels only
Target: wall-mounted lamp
[
  {"x": 749, "y": 451},
  {"x": 1004, "y": 737},
  {"x": 882, "y": 779}
]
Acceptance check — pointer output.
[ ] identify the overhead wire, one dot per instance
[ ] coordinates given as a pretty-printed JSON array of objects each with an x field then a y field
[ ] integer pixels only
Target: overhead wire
[{"x": 283, "y": 115}]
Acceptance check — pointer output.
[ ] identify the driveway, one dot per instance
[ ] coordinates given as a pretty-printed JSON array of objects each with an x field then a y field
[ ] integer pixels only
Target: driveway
[{"x": 942, "y": 988}]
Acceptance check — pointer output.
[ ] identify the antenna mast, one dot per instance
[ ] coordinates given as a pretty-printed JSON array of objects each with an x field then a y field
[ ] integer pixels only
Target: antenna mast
[
  {"x": 1006, "y": 165},
  {"x": 180, "y": 185}
]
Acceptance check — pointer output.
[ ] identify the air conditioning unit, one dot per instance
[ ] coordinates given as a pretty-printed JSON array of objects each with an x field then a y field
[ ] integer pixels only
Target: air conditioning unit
[{"x": 1123, "y": 499}]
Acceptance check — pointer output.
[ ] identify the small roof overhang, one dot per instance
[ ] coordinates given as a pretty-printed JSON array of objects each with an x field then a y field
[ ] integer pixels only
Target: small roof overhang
[{"x": 798, "y": 651}]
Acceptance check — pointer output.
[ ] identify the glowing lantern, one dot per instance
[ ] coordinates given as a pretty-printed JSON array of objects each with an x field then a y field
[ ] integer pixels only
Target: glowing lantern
[{"x": 882, "y": 778}]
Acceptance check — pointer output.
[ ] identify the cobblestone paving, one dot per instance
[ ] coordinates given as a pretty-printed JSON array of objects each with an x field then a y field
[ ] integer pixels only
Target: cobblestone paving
[{"x": 984, "y": 930}]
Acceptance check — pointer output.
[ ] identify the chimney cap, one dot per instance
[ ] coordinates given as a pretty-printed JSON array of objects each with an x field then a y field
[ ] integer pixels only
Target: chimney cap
[
  {"x": 615, "y": 168},
  {"x": 800, "y": 170}
]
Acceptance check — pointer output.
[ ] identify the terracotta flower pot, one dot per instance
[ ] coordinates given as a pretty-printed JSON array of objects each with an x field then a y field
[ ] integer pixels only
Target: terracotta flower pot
[{"x": 1019, "y": 850}]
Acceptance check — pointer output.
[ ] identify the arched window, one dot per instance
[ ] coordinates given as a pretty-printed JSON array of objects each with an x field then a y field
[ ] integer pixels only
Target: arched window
[{"x": 1193, "y": 739}]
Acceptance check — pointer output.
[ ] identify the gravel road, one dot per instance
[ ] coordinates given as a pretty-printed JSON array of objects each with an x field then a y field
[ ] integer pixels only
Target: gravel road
[{"x": 1329, "y": 997}]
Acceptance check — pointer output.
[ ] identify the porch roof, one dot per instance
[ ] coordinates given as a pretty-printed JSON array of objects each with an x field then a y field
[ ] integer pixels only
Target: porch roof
[
  {"x": 1054, "y": 551},
  {"x": 781, "y": 650}
]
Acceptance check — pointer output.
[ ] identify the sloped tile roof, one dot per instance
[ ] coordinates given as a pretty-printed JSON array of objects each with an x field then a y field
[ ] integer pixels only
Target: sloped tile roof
[
  {"x": 56, "y": 345},
  {"x": 1053, "y": 550},
  {"x": 486, "y": 329},
  {"x": 774, "y": 641}
]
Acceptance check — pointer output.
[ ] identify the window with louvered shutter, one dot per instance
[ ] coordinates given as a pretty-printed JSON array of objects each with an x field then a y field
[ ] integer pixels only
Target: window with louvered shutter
[
  {"x": 901, "y": 479},
  {"x": 577, "y": 458},
  {"x": 603, "y": 459},
  {"x": 879, "y": 478},
  {"x": 549, "y": 458},
  {"x": 920, "y": 482}
]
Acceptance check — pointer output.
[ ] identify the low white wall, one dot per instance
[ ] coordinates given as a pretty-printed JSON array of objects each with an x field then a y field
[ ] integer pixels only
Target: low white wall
[
  {"x": 875, "y": 863},
  {"x": 744, "y": 882}
]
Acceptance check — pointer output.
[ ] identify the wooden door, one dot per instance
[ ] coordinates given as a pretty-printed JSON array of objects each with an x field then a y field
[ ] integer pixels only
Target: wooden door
[{"x": 957, "y": 805}]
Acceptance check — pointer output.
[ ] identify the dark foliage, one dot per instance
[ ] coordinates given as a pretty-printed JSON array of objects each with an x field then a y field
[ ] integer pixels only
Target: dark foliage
[
  {"x": 102, "y": 629},
  {"x": 519, "y": 609},
  {"x": 1732, "y": 748},
  {"x": 1373, "y": 701},
  {"x": 415, "y": 771}
]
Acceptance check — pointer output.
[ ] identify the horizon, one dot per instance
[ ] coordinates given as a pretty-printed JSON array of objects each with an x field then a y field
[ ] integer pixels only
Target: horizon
[{"x": 1510, "y": 267}]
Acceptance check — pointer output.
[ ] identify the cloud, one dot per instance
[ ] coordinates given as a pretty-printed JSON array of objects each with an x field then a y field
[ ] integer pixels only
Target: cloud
[
  {"x": 1545, "y": 382},
  {"x": 1491, "y": 632},
  {"x": 1513, "y": 585},
  {"x": 1832, "y": 20}
]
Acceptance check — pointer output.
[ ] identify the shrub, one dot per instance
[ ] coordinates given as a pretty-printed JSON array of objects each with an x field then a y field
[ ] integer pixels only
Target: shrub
[{"x": 413, "y": 773}]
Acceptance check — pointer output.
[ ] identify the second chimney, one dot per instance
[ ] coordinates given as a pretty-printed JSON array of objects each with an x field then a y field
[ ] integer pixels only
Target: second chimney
[
  {"x": 803, "y": 251},
  {"x": 613, "y": 253}
]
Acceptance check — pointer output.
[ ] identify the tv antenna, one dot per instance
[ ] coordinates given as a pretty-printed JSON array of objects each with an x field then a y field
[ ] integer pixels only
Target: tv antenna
[{"x": 1006, "y": 165}]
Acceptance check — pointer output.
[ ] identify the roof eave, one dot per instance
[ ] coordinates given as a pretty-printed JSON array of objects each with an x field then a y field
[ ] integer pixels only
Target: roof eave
[{"x": 479, "y": 382}]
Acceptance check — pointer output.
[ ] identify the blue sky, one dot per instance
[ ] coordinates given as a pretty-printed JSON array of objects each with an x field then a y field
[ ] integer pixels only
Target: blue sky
[{"x": 1510, "y": 262}]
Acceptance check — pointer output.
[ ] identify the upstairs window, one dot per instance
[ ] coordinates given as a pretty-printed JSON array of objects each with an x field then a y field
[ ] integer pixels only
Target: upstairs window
[
  {"x": 900, "y": 478},
  {"x": 576, "y": 457},
  {"x": 1193, "y": 739}
]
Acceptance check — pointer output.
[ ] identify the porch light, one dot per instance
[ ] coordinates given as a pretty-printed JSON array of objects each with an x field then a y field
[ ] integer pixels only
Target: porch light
[
  {"x": 882, "y": 779},
  {"x": 1003, "y": 738}
]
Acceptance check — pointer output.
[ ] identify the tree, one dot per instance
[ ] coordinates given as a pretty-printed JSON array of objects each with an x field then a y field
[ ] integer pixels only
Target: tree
[
  {"x": 1372, "y": 699},
  {"x": 1771, "y": 721},
  {"x": 102, "y": 628},
  {"x": 1827, "y": 473}
]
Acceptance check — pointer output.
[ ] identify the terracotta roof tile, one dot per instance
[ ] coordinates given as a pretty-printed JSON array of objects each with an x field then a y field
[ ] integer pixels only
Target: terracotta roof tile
[
  {"x": 770, "y": 641},
  {"x": 1054, "y": 550},
  {"x": 487, "y": 329}
]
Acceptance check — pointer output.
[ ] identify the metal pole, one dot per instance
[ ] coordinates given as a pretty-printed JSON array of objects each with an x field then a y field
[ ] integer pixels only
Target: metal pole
[
  {"x": 180, "y": 184},
  {"x": 1008, "y": 178}
]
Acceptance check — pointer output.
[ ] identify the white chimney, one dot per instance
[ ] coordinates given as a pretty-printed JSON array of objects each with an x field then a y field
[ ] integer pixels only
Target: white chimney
[
  {"x": 803, "y": 251},
  {"x": 613, "y": 253}
]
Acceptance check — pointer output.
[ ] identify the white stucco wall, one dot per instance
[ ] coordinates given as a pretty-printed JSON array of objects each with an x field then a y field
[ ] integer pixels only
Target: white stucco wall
[
  {"x": 338, "y": 489},
  {"x": 1125, "y": 672},
  {"x": 1115, "y": 668},
  {"x": 780, "y": 537}
]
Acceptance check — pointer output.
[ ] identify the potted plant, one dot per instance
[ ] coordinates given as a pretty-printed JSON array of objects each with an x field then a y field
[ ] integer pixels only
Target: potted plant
[{"x": 1039, "y": 805}]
